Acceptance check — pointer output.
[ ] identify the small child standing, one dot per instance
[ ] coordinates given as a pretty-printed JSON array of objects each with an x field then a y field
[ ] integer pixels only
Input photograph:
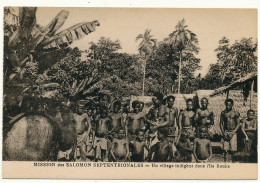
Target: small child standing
[
  {"x": 137, "y": 147},
  {"x": 202, "y": 149},
  {"x": 184, "y": 149},
  {"x": 162, "y": 150},
  {"x": 120, "y": 147},
  {"x": 102, "y": 125}
]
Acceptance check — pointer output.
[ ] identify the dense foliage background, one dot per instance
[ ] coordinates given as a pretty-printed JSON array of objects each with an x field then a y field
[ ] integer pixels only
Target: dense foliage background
[{"x": 35, "y": 74}]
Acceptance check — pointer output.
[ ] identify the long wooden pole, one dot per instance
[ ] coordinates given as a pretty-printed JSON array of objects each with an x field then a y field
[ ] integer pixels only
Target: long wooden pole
[
  {"x": 227, "y": 94},
  {"x": 144, "y": 76},
  {"x": 251, "y": 93},
  {"x": 179, "y": 82}
]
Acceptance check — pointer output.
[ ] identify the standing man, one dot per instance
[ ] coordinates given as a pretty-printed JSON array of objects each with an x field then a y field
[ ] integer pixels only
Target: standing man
[
  {"x": 159, "y": 119},
  {"x": 203, "y": 116},
  {"x": 171, "y": 115},
  {"x": 156, "y": 114},
  {"x": 229, "y": 124}
]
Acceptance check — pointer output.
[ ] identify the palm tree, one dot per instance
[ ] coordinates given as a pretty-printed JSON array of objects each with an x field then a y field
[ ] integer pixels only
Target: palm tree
[
  {"x": 146, "y": 48},
  {"x": 182, "y": 40}
]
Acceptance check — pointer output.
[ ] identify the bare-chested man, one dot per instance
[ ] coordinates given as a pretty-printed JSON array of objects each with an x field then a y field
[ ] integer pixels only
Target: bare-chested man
[
  {"x": 170, "y": 118},
  {"x": 158, "y": 118},
  {"x": 162, "y": 150},
  {"x": 202, "y": 149},
  {"x": 135, "y": 120},
  {"x": 120, "y": 147},
  {"x": 249, "y": 129},
  {"x": 103, "y": 126},
  {"x": 203, "y": 116},
  {"x": 137, "y": 147},
  {"x": 67, "y": 138},
  {"x": 186, "y": 119},
  {"x": 83, "y": 127},
  {"x": 229, "y": 124},
  {"x": 156, "y": 114}
]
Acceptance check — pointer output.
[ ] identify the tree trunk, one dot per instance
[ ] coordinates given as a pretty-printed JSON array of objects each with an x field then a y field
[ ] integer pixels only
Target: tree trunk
[
  {"x": 144, "y": 75},
  {"x": 179, "y": 82},
  {"x": 251, "y": 94}
]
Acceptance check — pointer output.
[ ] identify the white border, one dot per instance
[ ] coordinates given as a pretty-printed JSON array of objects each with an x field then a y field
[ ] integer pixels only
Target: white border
[{"x": 122, "y": 3}]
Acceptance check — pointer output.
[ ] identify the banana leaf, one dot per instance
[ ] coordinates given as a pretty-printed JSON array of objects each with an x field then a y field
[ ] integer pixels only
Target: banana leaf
[
  {"x": 51, "y": 28},
  {"x": 69, "y": 35},
  {"x": 27, "y": 20}
]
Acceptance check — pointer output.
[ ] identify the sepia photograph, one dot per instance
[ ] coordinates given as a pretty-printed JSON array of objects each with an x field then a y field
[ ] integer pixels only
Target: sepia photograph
[{"x": 130, "y": 85}]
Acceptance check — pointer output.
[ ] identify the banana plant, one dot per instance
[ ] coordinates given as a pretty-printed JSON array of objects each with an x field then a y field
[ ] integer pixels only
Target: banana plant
[{"x": 31, "y": 41}]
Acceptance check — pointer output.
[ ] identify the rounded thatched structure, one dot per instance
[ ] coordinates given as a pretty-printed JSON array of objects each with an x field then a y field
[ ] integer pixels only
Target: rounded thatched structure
[{"x": 30, "y": 137}]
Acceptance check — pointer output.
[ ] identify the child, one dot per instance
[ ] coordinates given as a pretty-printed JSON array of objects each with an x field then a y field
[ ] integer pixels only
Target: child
[
  {"x": 202, "y": 149},
  {"x": 141, "y": 106},
  {"x": 229, "y": 124},
  {"x": 137, "y": 147},
  {"x": 186, "y": 119},
  {"x": 135, "y": 120},
  {"x": 117, "y": 118},
  {"x": 67, "y": 136},
  {"x": 120, "y": 147},
  {"x": 249, "y": 130},
  {"x": 102, "y": 126},
  {"x": 83, "y": 127},
  {"x": 162, "y": 150},
  {"x": 184, "y": 149}
]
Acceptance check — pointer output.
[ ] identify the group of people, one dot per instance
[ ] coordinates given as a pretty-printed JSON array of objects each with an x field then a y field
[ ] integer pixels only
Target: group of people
[{"x": 159, "y": 133}]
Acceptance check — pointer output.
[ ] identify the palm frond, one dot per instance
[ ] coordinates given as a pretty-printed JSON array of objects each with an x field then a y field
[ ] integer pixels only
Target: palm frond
[
  {"x": 140, "y": 36},
  {"x": 148, "y": 44}
]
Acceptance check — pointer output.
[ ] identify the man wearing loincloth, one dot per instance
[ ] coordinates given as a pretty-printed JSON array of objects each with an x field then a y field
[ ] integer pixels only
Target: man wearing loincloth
[
  {"x": 170, "y": 117},
  {"x": 229, "y": 124}
]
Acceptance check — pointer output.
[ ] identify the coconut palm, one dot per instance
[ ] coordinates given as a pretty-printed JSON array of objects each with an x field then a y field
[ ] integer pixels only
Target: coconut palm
[
  {"x": 182, "y": 40},
  {"x": 146, "y": 48}
]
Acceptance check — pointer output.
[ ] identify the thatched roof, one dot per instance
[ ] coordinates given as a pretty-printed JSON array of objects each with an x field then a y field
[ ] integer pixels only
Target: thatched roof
[{"x": 238, "y": 82}]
